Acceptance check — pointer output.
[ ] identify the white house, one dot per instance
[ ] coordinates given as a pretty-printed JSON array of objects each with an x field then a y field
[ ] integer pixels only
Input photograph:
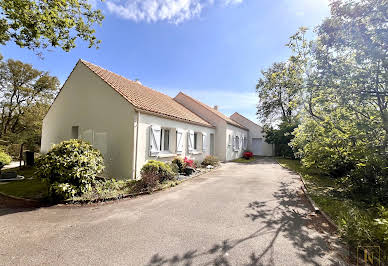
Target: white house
[
  {"x": 131, "y": 123},
  {"x": 128, "y": 122},
  {"x": 256, "y": 140},
  {"x": 231, "y": 137}
]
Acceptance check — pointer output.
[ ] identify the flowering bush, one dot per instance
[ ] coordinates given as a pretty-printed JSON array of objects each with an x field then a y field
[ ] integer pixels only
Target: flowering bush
[
  {"x": 189, "y": 163},
  {"x": 247, "y": 155}
]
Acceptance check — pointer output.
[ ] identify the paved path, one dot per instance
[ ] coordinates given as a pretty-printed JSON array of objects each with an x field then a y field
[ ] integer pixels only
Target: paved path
[
  {"x": 13, "y": 164},
  {"x": 237, "y": 215}
]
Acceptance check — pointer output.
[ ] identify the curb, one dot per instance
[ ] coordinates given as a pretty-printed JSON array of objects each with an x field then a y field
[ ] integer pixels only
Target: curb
[{"x": 311, "y": 201}]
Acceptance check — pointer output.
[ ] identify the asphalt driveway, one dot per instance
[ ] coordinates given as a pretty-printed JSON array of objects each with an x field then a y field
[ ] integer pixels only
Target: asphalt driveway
[{"x": 237, "y": 215}]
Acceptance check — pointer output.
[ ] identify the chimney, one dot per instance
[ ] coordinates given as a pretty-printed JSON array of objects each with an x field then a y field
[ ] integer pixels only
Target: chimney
[{"x": 215, "y": 107}]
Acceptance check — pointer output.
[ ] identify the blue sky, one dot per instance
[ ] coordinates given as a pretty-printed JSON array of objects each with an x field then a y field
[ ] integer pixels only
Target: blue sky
[{"x": 212, "y": 50}]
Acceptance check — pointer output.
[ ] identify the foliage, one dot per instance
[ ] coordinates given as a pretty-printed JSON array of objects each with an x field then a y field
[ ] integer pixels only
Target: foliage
[
  {"x": 174, "y": 167},
  {"x": 4, "y": 157},
  {"x": 368, "y": 228},
  {"x": 197, "y": 164},
  {"x": 338, "y": 86},
  {"x": 381, "y": 226},
  {"x": 70, "y": 168},
  {"x": 355, "y": 228},
  {"x": 210, "y": 160},
  {"x": 244, "y": 160},
  {"x": 154, "y": 173},
  {"x": 359, "y": 221},
  {"x": 281, "y": 137},
  {"x": 26, "y": 94},
  {"x": 105, "y": 189},
  {"x": 39, "y": 24},
  {"x": 277, "y": 91},
  {"x": 247, "y": 155},
  {"x": 179, "y": 162}
]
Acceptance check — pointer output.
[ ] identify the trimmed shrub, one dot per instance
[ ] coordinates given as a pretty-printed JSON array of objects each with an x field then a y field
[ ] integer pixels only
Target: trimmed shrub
[
  {"x": 4, "y": 157},
  {"x": 197, "y": 164},
  {"x": 155, "y": 172},
  {"x": 179, "y": 162},
  {"x": 174, "y": 168},
  {"x": 70, "y": 168},
  {"x": 210, "y": 160}
]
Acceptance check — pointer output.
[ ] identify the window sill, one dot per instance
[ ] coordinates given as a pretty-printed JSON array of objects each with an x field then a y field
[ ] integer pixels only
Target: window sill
[
  {"x": 196, "y": 152},
  {"x": 166, "y": 155}
]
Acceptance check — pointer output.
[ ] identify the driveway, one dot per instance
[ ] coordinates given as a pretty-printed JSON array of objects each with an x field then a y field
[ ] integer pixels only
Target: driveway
[{"x": 250, "y": 214}]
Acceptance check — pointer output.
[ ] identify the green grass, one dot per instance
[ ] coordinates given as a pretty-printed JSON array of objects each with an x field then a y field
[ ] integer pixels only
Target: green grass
[
  {"x": 243, "y": 160},
  {"x": 324, "y": 190},
  {"x": 29, "y": 188}
]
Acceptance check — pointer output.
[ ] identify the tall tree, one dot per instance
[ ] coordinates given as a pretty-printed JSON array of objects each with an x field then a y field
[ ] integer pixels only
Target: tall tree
[
  {"x": 25, "y": 95},
  {"x": 352, "y": 58},
  {"x": 277, "y": 90},
  {"x": 40, "y": 23}
]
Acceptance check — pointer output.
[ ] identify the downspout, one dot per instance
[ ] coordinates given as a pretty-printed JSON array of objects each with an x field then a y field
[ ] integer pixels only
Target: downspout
[{"x": 136, "y": 143}]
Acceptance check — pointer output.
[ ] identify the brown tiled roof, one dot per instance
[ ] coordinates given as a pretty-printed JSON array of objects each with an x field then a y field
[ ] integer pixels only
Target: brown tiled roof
[
  {"x": 243, "y": 117},
  {"x": 146, "y": 99},
  {"x": 216, "y": 112}
]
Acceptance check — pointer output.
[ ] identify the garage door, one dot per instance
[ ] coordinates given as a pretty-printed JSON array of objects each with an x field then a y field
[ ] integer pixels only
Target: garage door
[{"x": 256, "y": 146}]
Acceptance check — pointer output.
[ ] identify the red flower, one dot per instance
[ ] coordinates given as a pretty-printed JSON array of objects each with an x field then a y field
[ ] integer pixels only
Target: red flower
[
  {"x": 247, "y": 155},
  {"x": 188, "y": 162}
]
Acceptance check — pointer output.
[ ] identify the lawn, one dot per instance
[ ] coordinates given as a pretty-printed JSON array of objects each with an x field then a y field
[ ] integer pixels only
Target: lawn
[
  {"x": 324, "y": 190},
  {"x": 29, "y": 188},
  {"x": 243, "y": 160}
]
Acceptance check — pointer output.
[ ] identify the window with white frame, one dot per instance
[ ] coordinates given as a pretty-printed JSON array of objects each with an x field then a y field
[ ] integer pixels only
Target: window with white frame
[
  {"x": 230, "y": 140},
  {"x": 195, "y": 140},
  {"x": 237, "y": 143},
  {"x": 165, "y": 139},
  {"x": 159, "y": 140}
]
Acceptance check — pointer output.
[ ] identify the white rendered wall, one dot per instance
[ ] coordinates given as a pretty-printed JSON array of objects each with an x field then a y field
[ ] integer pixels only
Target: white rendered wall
[{"x": 89, "y": 103}]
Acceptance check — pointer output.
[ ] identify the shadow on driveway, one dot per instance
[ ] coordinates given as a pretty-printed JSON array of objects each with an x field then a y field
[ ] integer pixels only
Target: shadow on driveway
[{"x": 284, "y": 219}]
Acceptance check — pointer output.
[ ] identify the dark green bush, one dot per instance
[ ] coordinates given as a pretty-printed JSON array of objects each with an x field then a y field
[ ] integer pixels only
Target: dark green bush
[
  {"x": 210, "y": 160},
  {"x": 70, "y": 168},
  {"x": 154, "y": 173},
  {"x": 179, "y": 162},
  {"x": 366, "y": 228}
]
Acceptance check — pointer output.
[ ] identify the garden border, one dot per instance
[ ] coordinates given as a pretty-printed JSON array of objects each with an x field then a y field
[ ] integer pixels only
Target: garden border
[
  {"x": 311, "y": 201},
  {"x": 128, "y": 196}
]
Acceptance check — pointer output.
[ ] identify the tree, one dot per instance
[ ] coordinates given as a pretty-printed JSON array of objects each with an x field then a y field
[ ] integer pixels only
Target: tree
[
  {"x": 277, "y": 91},
  {"x": 344, "y": 127},
  {"x": 352, "y": 59},
  {"x": 40, "y": 23},
  {"x": 25, "y": 96}
]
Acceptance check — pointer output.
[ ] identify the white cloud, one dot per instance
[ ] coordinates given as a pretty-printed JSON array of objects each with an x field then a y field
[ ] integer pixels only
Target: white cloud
[{"x": 174, "y": 11}]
